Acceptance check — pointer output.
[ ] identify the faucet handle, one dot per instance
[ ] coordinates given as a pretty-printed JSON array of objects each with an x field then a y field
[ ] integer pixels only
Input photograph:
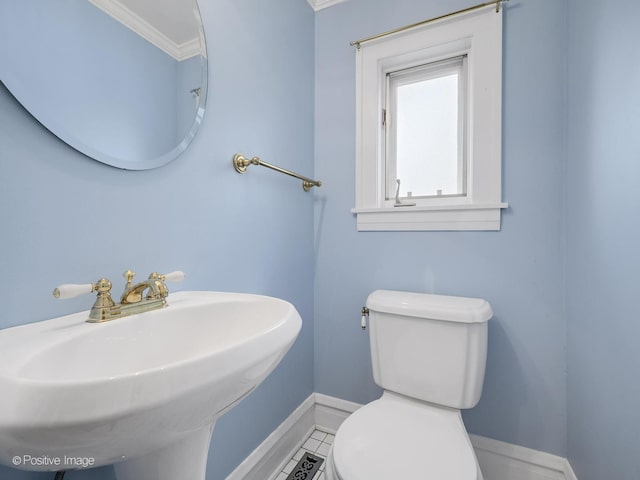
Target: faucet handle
[
  {"x": 71, "y": 290},
  {"x": 176, "y": 276},
  {"x": 128, "y": 275}
]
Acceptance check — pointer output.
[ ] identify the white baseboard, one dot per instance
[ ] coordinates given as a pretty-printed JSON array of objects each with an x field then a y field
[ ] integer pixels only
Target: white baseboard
[
  {"x": 276, "y": 450},
  {"x": 498, "y": 460},
  {"x": 330, "y": 412},
  {"x": 505, "y": 461}
]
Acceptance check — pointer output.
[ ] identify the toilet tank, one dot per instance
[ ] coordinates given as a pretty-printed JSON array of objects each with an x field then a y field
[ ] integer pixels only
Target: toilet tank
[{"x": 429, "y": 347}]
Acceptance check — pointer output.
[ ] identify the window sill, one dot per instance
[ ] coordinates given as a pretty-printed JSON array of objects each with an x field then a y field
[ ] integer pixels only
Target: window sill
[{"x": 476, "y": 217}]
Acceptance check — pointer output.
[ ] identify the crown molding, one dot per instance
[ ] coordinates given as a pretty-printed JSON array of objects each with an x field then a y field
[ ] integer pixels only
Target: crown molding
[
  {"x": 320, "y": 4},
  {"x": 189, "y": 49},
  {"x": 122, "y": 14}
]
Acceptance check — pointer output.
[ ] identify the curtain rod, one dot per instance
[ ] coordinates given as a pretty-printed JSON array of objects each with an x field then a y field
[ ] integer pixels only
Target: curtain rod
[{"x": 358, "y": 43}]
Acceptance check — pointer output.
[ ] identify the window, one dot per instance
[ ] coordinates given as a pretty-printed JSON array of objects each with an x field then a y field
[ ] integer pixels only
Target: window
[
  {"x": 425, "y": 133},
  {"x": 428, "y": 153}
]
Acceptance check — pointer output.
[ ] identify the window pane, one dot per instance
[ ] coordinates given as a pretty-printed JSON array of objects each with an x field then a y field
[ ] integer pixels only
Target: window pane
[{"x": 425, "y": 139}]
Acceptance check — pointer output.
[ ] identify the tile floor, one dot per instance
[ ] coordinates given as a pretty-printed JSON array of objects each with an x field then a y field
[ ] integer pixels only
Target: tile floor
[{"x": 318, "y": 443}]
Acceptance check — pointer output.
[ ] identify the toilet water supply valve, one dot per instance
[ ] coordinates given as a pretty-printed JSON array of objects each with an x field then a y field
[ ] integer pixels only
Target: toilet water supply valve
[{"x": 363, "y": 321}]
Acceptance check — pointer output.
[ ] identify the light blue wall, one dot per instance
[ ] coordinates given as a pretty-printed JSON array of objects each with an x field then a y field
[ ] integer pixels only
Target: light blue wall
[
  {"x": 519, "y": 270},
  {"x": 66, "y": 218},
  {"x": 603, "y": 235}
]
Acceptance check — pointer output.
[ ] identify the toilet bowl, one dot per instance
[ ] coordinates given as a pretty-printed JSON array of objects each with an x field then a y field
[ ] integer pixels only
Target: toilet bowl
[
  {"x": 428, "y": 354},
  {"x": 395, "y": 437}
]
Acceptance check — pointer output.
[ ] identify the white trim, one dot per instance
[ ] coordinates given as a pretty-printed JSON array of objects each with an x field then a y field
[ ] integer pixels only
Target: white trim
[
  {"x": 320, "y": 4},
  {"x": 330, "y": 412},
  {"x": 118, "y": 11},
  {"x": 505, "y": 461},
  {"x": 484, "y": 217},
  {"x": 568, "y": 471},
  {"x": 190, "y": 49},
  {"x": 498, "y": 460}
]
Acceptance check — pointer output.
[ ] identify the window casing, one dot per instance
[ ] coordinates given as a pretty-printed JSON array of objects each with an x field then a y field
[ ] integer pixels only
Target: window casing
[{"x": 448, "y": 152}]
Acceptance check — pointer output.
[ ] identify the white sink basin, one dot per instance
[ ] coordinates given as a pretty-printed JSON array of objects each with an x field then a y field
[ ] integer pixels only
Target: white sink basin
[{"x": 143, "y": 390}]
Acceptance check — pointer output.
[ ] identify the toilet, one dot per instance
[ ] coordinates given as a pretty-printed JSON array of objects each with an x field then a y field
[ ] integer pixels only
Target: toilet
[{"x": 428, "y": 353}]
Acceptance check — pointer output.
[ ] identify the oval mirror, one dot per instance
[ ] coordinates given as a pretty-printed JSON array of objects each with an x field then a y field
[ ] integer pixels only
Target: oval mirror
[{"x": 122, "y": 81}]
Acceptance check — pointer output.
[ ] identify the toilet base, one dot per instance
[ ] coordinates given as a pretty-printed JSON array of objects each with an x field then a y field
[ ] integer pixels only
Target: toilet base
[
  {"x": 330, "y": 472},
  {"x": 383, "y": 438},
  {"x": 329, "y": 468}
]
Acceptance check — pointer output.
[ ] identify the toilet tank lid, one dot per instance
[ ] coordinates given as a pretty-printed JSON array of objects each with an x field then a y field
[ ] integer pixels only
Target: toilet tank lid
[{"x": 426, "y": 305}]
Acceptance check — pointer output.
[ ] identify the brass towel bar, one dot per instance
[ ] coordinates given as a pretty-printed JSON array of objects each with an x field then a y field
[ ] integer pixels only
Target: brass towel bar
[{"x": 240, "y": 163}]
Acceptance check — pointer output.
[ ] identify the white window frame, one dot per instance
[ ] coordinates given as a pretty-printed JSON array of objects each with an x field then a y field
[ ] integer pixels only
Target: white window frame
[{"x": 477, "y": 35}]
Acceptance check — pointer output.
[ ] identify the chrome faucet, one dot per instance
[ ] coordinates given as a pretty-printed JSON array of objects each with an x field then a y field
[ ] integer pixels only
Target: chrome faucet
[{"x": 149, "y": 294}]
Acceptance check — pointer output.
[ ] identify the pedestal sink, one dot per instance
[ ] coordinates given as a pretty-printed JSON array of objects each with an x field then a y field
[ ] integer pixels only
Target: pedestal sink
[{"x": 143, "y": 391}]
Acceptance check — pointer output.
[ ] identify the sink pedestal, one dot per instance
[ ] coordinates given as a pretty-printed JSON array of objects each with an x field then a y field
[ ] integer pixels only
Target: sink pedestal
[{"x": 184, "y": 459}]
